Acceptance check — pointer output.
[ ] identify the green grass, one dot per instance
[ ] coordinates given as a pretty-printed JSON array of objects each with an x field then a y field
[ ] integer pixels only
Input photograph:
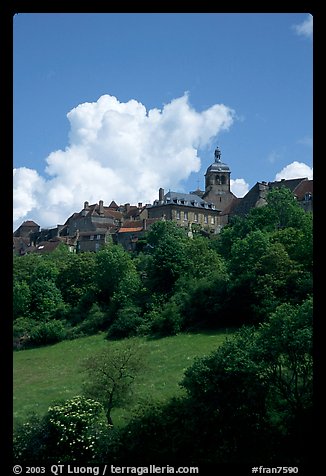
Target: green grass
[{"x": 53, "y": 373}]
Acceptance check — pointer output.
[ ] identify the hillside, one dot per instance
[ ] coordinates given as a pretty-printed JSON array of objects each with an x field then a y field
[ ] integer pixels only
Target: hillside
[{"x": 47, "y": 374}]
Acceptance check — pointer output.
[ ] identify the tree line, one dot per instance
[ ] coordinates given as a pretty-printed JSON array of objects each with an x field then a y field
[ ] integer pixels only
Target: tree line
[{"x": 171, "y": 283}]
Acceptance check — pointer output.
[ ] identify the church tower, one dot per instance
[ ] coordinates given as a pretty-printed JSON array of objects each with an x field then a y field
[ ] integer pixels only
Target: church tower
[{"x": 217, "y": 183}]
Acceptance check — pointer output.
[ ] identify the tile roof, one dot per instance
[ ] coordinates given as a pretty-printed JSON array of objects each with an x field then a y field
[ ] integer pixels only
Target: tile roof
[
  {"x": 306, "y": 186},
  {"x": 113, "y": 205},
  {"x": 130, "y": 230},
  {"x": 184, "y": 199},
  {"x": 29, "y": 223},
  {"x": 288, "y": 183},
  {"x": 47, "y": 246}
]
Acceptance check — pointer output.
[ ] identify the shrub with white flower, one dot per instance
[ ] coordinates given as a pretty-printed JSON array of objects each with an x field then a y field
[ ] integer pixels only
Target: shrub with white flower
[{"x": 76, "y": 427}]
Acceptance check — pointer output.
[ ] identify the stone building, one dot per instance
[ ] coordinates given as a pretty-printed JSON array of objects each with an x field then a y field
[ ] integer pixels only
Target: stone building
[
  {"x": 96, "y": 224},
  {"x": 186, "y": 209},
  {"x": 302, "y": 190},
  {"x": 217, "y": 186}
]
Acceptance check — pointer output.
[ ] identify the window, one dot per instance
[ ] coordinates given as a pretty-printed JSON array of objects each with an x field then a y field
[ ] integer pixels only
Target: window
[
  {"x": 98, "y": 237},
  {"x": 91, "y": 237},
  {"x": 185, "y": 216},
  {"x": 205, "y": 219},
  {"x": 178, "y": 215},
  {"x": 196, "y": 217},
  {"x": 212, "y": 220}
]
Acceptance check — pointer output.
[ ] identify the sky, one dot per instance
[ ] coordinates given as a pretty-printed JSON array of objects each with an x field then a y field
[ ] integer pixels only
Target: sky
[{"x": 113, "y": 106}]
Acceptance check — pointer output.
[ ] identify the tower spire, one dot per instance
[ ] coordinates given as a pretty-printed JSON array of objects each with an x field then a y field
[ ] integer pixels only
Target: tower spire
[{"x": 217, "y": 154}]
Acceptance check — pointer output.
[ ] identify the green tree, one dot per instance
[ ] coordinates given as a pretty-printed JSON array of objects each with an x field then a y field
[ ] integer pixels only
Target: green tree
[
  {"x": 259, "y": 384},
  {"x": 21, "y": 299},
  {"x": 114, "y": 265},
  {"x": 46, "y": 299},
  {"x": 111, "y": 374},
  {"x": 77, "y": 279},
  {"x": 169, "y": 245}
]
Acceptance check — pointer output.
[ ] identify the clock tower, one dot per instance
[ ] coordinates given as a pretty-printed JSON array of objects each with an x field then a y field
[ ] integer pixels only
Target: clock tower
[{"x": 217, "y": 183}]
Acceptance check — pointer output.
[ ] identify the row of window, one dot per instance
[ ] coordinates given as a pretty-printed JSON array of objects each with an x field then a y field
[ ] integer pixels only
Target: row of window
[{"x": 185, "y": 217}]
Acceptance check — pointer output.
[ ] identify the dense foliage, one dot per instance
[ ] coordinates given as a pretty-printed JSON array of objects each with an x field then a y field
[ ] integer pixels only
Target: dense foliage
[{"x": 173, "y": 283}]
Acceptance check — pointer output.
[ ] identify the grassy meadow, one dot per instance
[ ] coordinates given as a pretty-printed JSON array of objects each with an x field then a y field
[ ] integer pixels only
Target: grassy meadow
[{"x": 50, "y": 374}]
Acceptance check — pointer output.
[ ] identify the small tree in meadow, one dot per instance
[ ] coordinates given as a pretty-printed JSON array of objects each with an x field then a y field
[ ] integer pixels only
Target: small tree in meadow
[{"x": 111, "y": 374}]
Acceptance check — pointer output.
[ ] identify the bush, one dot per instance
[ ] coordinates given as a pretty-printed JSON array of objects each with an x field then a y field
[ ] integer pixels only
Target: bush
[
  {"x": 30, "y": 439},
  {"x": 94, "y": 322},
  {"x": 47, "y": 333},
  {"x": 73, "y": 431},
  {"x": 168, "y": 322},
  {"x": 126, "y": 323},
  {"x": 21, "y": 332}
]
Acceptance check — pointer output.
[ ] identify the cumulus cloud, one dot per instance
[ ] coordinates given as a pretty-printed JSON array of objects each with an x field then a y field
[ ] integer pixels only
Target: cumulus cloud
[
  {"x": 295, "y": 170},
  {"x": 28, "y": 187},
  {"x": 239, "y": 187},
  {"x": 305, "y": 28},
  {"x": 118, "y": 151}
]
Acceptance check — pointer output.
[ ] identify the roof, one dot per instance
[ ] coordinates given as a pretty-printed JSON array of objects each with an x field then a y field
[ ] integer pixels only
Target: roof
[
  {"x": 47, "y": 246},
  {"x": 304, "y": 187},
  {"x": 26, "y": 224},
  {"x": 185, "y": 199},
  {"x": 130, "y": 229},
  {"x": 113, "y": 205},
  {"x": 243, "y": 205},
  {"x": 20, "y": 242},
  {"x": 288, "y": 183},
  {"x": 218, "y": 167}
]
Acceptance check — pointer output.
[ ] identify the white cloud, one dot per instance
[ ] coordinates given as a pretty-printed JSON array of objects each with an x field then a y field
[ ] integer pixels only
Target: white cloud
[
  {"x": 305, "y": 28},
  {"x": 118, "y": 151},
  {"x": 239, "y": 187},
  {"x": 295, "y": 170},
  {"x": 28, "y": 187}
]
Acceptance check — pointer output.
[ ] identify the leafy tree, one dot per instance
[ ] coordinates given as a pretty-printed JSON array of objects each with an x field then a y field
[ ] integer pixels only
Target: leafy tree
[
  {"x": 24, "y": 266},
  {"x": 46, "y": 299},
  {"x": 45, "y": 270},
  {"x": 21, "y": 299},
  {"x": 202, "y": 260},
  {"x": 126, "y": 323},
  {"x": 114, "y": 264},
  {"x": 78, "y": 278},
  {"x": 111, "y": 373},
  {"x": 169, "y": 244}
]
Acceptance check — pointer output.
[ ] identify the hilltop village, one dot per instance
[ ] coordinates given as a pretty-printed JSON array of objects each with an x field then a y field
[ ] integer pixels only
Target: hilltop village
[{"x": 207, "y": 210}]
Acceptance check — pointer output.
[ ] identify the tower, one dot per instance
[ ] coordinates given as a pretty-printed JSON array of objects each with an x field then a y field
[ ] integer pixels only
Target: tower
[{"x": 217, "y": 183}]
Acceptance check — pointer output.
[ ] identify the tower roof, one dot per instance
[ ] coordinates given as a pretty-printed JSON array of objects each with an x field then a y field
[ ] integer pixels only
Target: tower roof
[{"x": 217, "y": 165}]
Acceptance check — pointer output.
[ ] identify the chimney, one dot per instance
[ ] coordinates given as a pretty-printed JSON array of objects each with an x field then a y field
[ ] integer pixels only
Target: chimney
[
  {"x": 140, "y": 205},
  {"x": 127, "y": 207},
  {"x": 86, "y": 205},
  {"x": 101, "y": 208},
  {"x": 161, "y": 194}
]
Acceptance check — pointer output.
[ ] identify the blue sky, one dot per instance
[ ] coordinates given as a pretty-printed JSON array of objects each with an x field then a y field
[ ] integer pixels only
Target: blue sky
[{"x": 113, "y": 106}]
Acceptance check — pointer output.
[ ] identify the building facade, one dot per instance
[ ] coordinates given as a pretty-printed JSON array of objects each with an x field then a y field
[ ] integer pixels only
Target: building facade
[{"x": 186, "y": 210}]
